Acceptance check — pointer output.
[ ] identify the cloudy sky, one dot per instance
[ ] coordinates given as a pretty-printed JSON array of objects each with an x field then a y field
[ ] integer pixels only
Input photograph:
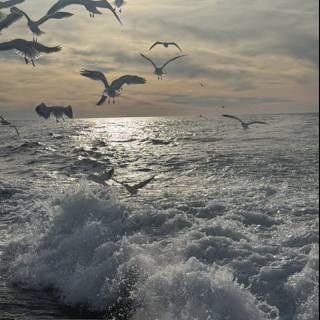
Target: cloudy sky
[{"x": 254, "y": 56}]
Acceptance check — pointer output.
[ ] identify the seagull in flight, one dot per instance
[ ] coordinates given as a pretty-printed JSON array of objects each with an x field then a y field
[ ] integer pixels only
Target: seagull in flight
[
  {"x": 30, "y": 50},
  {"x": 159, "y": 71},
  {"x": 7, "y": 21},
  {"x": 101, "y": 179},
  {"x": 4, "y": 122},
  {"x": 133, "y": 190},
  {"x": 9, "y": 3},
  {"x": 245, "y": 125},
  {"x": 119, "y": 4},
  {"x": 165, "y": 44},
  {"x": 58, "y": 112},
  {"x": 90, "y": 5},
  {"x": 111, "y": 90},
  {"x": 34, "y": 25}
]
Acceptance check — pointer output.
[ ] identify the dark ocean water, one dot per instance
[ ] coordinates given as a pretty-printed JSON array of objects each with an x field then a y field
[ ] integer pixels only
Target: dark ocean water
[{"x": 227, "y": 230}]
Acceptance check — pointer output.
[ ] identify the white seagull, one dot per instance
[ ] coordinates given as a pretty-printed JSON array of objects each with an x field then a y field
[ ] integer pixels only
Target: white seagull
[
  {"x": 245, "y": 125},
  {"x": 58, "y": 112},
  {"x": 9, "y": 3},
  {"x": 165, "y": 44},
  {"x": 112, "y": 90},
  {"x": 133, "y": 190},
  {"x": 30, "y": 50},
  {"x": 34, "y": 25},
  {"x": 4, "y": 122},
  {"x": 159, "y": 71},
  {"x": 90, "y": 5},
  {"x": 119, "y": 4},
  {"x": 7, "y": 21}
]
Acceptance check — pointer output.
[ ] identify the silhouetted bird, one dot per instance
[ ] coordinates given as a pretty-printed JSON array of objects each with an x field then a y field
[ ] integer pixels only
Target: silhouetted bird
[
  {"x": 133, "y": 190},
  {"x": 4, "y": 122},
  {"x": 165, "y": 44},
  {"x": 159, "y": 70},
  {"x": 245, "y": 125},
  {"x": 9, "y": 3},
  {"x": 30, "y": 50},
  {"x": 8, "y": 20},
  {"x": 58, "y": 112},
  {"x": 112, "y": 90}
]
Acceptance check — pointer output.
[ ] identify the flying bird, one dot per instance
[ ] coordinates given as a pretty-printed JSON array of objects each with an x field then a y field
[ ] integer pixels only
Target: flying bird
[
  {"x": 165, "y": 44},
  {"x": 112, "y": 90},
  {"x": 4, "y": 122},
  {"x": 159, "y": 71},
  {"x": 101, "y": 179},
  {"x": 7, "y": 21},
  {"x": 133, "y": 190},
  {"x": 30, "y": 50},
  {"x": 245, "y": 125},
  {"x": 119, "y": 4},
  {"x": 58, "y": 112},
  {"x": 9, "y": 3},
  {"x": 90, "y": 5},
  {"x": 202, "y": 85},
  {"x": 34, "y": 25}
]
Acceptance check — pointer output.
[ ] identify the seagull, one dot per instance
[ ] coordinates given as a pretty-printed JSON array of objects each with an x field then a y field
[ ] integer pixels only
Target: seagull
[
  {"x": 4, "y": 122},
  {"x": 159, "y": 70},
  {"x": 101, "y": 179},
  {"x": 90, "y": 5},
  {"x": 245, "y": 125},
  {"x": 165, "y": 44},
  {"x": 112, "y": 90},
  {"x": 30, "y": 50},
  {"x": 133, "y": 190},
  {"x": 34, "y": 25},
  {"x": 58, "y": 112},
  {"x": 119, "y": 4},
  {"x": 201, "y": 85},
  {"x": 9, "y": 3},
  {"x": 8, "y": 20}
]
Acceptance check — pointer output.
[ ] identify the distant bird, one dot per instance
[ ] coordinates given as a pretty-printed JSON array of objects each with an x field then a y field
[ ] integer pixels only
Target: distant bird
[
  {"x": 201, "y": 85},
  {"x": 58, "y": 112},
  {"x": 112, "y": 90},
  {"x": 30, "y": 50},
  {"x": 119, "y": 4},
  {"x": 7, "y": 21},
  {"x": 101, "y": 179},
  {"x": 34, "y": 25},
  {"x": 245, "y": 125},
  {"x": 159, "y": 70},
  {"x": 223, "y": 107},
  {"x": 4, "y": 122},
  {"x": 9, "y": 3},
  {"x": 90, "y": 5},
  {"x": 133, "y": 190},
  {"x": 165, "y": 44}
]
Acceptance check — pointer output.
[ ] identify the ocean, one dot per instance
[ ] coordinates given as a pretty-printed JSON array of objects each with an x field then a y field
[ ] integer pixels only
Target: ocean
[{"x": 227, "y": 230}]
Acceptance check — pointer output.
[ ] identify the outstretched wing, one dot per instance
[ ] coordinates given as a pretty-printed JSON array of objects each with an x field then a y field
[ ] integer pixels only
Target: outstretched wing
[
  {"x": 60, "y": 5},
  {"x": 95, "y": 75},
  {"x": 155, "y": 44},
  {"x": 43, "y": 111},
  {"x": 9, "y": 20},
  {"x": 256, "y": 122},
  {"x": 232, "y": 117},
  {"x": 175, "y": 44},
  {"x": 44, "y": 49},
  {"x": 7, "y": 46},
  {"x": 143, "y": 183},
  {"x": 145, "y": 57},
  {"x": 128, "y": 79},
  {"x": 9, "y": 3},
  {"x": 107, "y": 5},
  {"x": 173, "y": 59},
  {"x": 57, "y": 15},
  {"x": 102, "y": 100}
]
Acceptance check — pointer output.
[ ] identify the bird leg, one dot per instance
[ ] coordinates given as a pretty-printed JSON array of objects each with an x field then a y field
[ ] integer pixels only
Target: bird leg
[
  {"x": 33, "y": 62},
  {"x": 109, "y": 101},
  {"x": 114, "y": 101},
  {"x": 26, "y": 60}
]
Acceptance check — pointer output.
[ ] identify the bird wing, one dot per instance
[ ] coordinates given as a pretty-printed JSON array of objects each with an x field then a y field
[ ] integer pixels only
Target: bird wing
[
  {"x": 9, "y": 20},
  {"x": 155, "y": 44},
  {"x": 107, "y": 5},
  {"x": 128, "y": 79},
  {"x": 42, "y": 48},
  {"x": 57, "y": 15},
  {"x": 61, "y": 4},
  {"x": 143, "y": 183},
  {"x": 232, "y": 117},
  {"x": 9, "y": 3},
  {"x": 68, "y": 112},
  {"x": 95, "y": 75},
  {"x": 173, "y": 59},
  {"x": 256, "y": 122},
  {"x": 15, "y": 128},
  {"x": 7, "y": 46},
  {"x": 175, "y": 44},
  {"x": 43, "y": 111},
  {"x": 102, "y": 100},
  {"x": 145, "y": 57}
]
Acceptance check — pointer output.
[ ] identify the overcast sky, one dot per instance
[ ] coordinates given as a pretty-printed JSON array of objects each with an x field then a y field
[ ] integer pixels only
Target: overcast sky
[{"x": 253, "y": 56}]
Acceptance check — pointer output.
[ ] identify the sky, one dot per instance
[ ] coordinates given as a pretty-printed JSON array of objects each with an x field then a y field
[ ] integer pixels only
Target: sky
[{"x": 253, "y": 56}]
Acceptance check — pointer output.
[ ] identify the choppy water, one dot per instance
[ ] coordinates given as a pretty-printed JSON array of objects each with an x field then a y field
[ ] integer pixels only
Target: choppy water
[{"x": 227, "y": 230}]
